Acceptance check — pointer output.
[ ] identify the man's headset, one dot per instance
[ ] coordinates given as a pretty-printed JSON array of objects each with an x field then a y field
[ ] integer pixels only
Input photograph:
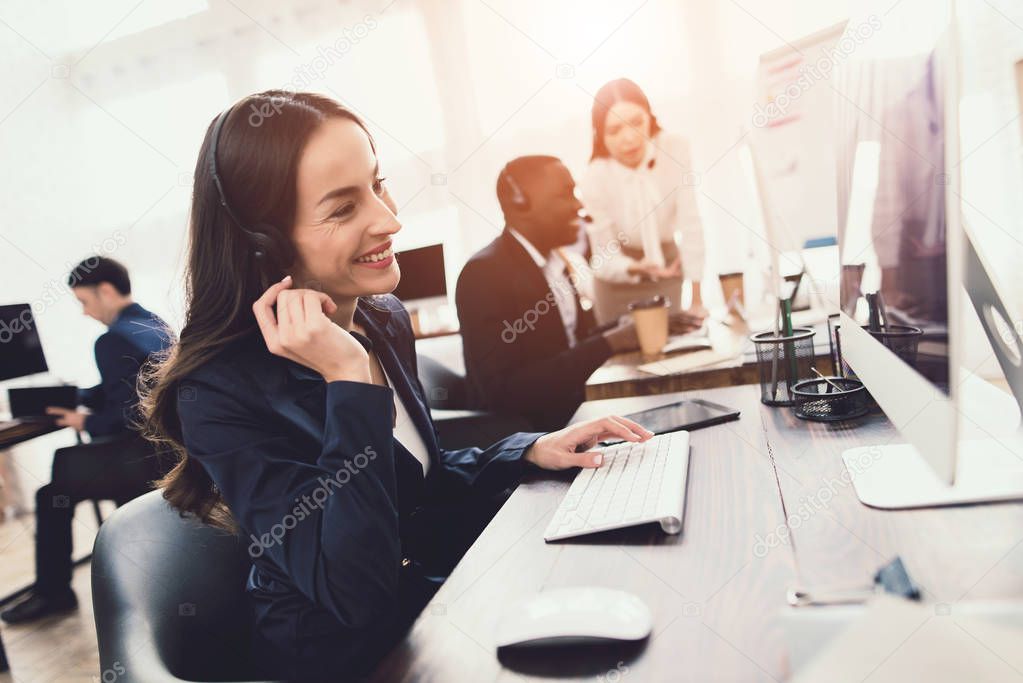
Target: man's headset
[
  {"x": 518, "y": 198},
  {"x": 514, "y": 193},
  {"x": 271, "y": 248}
]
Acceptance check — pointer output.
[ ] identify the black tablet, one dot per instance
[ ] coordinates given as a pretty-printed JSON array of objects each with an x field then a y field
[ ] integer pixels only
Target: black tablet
[{"x": 688, "y": 415}]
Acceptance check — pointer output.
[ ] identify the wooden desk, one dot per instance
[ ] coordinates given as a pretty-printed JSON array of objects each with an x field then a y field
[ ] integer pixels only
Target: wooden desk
[
  {"x": 716, "y": 590},
  {"x": 620, "y": 376},
  {"x": 12, "y": 435}
]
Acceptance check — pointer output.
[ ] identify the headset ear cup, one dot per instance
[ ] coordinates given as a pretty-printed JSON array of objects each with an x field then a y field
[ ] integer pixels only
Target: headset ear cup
[
  {"x": 519, "y": 198},
  {"x": 283, "y": 249},
  {"x": 261, "y": 248},
  {"x": 272, "y": 250}
]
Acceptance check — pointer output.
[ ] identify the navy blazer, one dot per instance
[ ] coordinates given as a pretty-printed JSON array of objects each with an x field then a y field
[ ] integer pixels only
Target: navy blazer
[
  {"x": 133, "y": 337},
  {"x": 333, "y": 506}
]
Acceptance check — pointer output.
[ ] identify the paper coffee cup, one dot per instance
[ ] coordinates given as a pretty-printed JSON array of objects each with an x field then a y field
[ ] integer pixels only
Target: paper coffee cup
[
  {"x": 733, "y": 291},
  {"x": 651, "y": 319}
]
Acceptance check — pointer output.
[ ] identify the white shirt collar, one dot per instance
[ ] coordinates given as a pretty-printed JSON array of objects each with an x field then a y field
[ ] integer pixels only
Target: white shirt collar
[{"x": 534, "y": 253}]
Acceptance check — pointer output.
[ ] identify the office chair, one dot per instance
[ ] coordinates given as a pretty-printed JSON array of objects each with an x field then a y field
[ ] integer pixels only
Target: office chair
[
  {"x": 445, "y": 388},
  {"x": 457, "y": 425},
  {"x": 168, "y": 595}
]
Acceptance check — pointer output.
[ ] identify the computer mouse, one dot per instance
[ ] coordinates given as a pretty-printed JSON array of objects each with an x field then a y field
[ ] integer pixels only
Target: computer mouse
[{"x": 576, "y": 615}]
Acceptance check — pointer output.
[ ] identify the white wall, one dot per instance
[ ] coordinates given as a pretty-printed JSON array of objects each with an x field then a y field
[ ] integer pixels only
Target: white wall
[{"x": 106, "y": 104}]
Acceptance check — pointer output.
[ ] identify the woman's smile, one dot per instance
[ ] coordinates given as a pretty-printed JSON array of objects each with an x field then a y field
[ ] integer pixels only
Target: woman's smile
[{"x": 379, "y": 257}]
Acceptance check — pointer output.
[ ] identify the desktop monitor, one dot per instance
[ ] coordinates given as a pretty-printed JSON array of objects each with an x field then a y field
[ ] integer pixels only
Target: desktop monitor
[
  {"x": 422, "y": 274},
  {"x": 21, "y": 352},
  {"x": 793, "y": 169},
  {"x": 901, "y": 235}
]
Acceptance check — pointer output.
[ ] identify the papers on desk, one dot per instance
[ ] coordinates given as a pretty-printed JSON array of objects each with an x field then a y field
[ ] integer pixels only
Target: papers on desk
[
  {"x": 895, "y": 640},
  {"x": 686, "y": 362},
  {"x": 684, "y": 343}
]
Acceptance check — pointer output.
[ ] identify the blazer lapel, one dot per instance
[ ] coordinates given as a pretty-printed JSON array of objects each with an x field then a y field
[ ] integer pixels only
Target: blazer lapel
[{"x": 381, "y": 329}]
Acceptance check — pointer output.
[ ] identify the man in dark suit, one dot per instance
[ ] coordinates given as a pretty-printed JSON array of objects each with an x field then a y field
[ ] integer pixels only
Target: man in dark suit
[
  {"x": 529, "y": 345},
  {"x": 116, "y": 464}
]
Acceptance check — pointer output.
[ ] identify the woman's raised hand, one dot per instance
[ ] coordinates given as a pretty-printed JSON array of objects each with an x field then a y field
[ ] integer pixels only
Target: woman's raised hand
[
  {"x": 301, "y": 331},
  {"x": 656, "y": 272}
]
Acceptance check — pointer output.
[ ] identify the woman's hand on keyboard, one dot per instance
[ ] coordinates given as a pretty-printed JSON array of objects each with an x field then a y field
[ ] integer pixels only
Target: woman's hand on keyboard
[{"x": 569, "y": 447}]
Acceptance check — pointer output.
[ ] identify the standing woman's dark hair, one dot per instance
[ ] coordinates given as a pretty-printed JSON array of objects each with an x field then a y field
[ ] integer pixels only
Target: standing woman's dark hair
[
  {"x": 609, "y": 95},
  {"x": 239, "y": 242}
]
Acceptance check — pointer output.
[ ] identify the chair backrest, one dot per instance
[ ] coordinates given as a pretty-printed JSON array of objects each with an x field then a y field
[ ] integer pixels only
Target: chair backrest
[
  {"x": 445, "y": 388},
  {"x": 169, "y": 596}
]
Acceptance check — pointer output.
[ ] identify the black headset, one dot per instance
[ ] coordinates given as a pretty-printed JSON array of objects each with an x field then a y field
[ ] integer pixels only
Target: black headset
[
  {"x": 519, "y": 199},
  {"x": 272, "y": 249},
  {"x": 515, "y": 194}
]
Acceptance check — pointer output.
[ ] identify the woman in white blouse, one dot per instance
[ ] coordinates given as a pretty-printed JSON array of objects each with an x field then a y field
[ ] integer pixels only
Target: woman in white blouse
[{"x": 646, "y": 233}]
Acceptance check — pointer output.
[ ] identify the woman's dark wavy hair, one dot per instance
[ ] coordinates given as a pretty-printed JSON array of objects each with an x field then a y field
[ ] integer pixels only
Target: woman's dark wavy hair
[
  {"x": 260, "y": 144},
  {"x": 608, "y": 96}
]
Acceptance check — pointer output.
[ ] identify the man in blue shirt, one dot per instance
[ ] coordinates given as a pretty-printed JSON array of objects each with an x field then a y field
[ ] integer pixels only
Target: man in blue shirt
[{"x": 116, "y": 464}]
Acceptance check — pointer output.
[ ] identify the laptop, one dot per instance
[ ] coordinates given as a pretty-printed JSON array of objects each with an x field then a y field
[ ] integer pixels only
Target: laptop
[{"x": 28, "y": 404}]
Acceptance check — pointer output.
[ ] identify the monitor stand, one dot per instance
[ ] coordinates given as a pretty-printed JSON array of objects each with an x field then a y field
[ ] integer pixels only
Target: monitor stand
[
  {"x": 896, "y": 477},
  {"x": 989, "y": 459}
]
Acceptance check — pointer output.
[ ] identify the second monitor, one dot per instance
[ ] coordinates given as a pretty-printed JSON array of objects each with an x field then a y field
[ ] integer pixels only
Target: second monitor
[
  {"x": 422, "y": 275},
  {"x": 21, "y": 352}
]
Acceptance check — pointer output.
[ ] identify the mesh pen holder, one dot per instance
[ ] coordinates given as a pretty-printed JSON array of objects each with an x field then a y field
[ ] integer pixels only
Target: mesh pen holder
[
  {"x": 830, "y": 400},
  {"x": 782, "y": 361},
  {"x": 902, "y": 340}
]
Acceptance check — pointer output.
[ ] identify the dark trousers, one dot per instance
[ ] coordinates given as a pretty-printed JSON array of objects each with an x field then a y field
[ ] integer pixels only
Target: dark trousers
[{"x": 116, "y": 468}]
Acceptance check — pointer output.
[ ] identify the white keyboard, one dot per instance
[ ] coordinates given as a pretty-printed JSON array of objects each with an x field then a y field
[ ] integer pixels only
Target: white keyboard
[{"x": 637, "y": 483}]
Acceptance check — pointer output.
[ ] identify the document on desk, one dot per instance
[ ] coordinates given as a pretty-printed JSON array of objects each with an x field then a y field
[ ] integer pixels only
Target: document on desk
[
  {"x": 686, "y": 362},
  {"x": 687, "y": 343},
  {"x": 896, "y": 640}
]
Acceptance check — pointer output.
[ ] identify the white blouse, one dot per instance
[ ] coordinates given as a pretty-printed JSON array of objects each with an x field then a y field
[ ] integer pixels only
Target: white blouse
[
  {"x": 642, "y": 208},
  {"x": 405, "y": 429}
]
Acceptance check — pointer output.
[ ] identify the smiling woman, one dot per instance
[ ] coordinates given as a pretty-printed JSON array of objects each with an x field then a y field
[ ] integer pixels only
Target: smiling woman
[
  {"x": 344, "y": 215},
  {"x": 293, "y": 402}
]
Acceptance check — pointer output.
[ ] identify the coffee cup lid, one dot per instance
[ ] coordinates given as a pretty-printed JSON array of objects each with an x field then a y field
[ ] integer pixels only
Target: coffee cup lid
[{"x": 653, "y": 302}]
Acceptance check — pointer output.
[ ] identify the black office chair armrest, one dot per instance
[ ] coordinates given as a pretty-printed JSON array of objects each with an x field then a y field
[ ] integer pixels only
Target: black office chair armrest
[{"x": 465, "y": 428}]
